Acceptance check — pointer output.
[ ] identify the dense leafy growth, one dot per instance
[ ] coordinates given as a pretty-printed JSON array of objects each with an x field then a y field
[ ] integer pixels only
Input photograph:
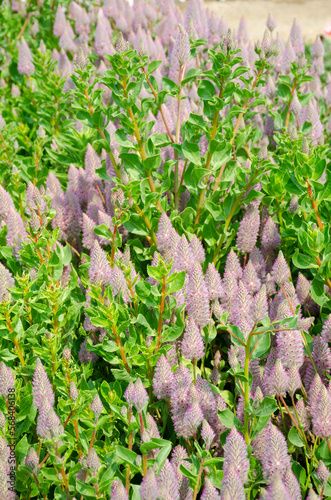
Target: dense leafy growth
[{"x": 165, "y": 247}]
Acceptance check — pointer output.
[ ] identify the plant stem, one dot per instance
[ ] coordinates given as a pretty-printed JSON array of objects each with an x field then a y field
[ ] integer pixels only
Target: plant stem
[
  {"x": 127, "y": 480},
  {"x": 142, "y": 432},
  {"x": 246, "y": 386},
  {"x": 196, "y": 489},
  {"x": 315, "y": 207},
  {"x": 120, "y": 346},
  {"x": 160, "y": 107},
  {"x": 159, "y": 327},
  {"x": 209, "y": 157},
  {"x": 282, "y": 413},
  {"x": 289, "y": 103}
]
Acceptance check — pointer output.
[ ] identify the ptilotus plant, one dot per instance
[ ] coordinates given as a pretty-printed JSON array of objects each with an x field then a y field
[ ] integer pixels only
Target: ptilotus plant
[{"x": 165, "y": 278}]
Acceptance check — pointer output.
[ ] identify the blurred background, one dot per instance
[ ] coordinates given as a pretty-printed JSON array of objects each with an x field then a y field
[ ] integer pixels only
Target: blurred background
[{"x": 312, "y": 15}]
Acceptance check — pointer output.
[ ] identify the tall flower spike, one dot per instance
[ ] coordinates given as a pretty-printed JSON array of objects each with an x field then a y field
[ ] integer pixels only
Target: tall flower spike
[
  {"x": 275, "y": 459},
  {"x": 118, "y": 491},
  {"x": 93, "y": 462},
  {"x": 163, "y": 379},
  {"x": 182, "y": 47},
  {"x": 235, "y": 455},
  {"x": 163, "y": 234},
  {"x": 271, "y": 23},
  {"x": 292, "y": 484},
  {"x": 232, "y": 486},
  {"x": 278, "y": 380},
  {"x": 191, "y": 420},
  {"x": 128, "y": 394},
  {"x": 121, "y": 45},
  {"x": 290, "y": 347},
  {"x": 6, "y": 280},
  {"x": 232, "y": 265},
  {"x": 326, "y": 330},
  {"x": 167, "y": 482},
  {"x": 100, "y": 270},
  {"x": 213, "y": 282},
  {"x": 294, "y": 379},
  {"x": 260, "y": 306},
  {"x": 149, "y": 489},
  {"x": 7, "y": 381},
  {"x": 25, "y": 65},
  {"x": 41, "y": 387},
  {"x": 197, "y": 249},
  {"x": 322, "y": 473},
  {"x": 280, "y": 271},
  {"x": 198, "y": 297},
  {"x": 248, "y": 230},
  {"x": 192, "y": 346},
  {"x": 207, "y": 434},
  {"x": 270, "y": 235},
  {"x": 277, "y": 490},
  {"x": 251, "y": 279},
  {"x": 139, "y": 396}
]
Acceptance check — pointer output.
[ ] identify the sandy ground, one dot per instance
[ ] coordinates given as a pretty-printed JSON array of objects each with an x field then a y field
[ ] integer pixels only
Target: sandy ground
[{"x": 312, "y": 15}]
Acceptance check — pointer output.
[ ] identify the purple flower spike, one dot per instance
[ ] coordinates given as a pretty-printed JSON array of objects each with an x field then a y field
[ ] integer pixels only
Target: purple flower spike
[
  {"x": 41, "y": 387},
  {"x": 93, "y": 462},
  {"x": 97, "y": 406},
  {"x": 294, "y": 379},
  {"x": 322, "y": 473},
  {"x": 100, "y": 270},
  {"x": 275, "y": 458},
  {"x": 207, "y": 434},
  {"x": 25, "y": 65},
  {"x": 270, "y": 235},
  {"x": 213, "y": 282},
  {"x": 167, "y": 482},
  {"x": 292, "y": 484},
  {"x": 271, "y": 23},
  {"x": 197, "y": 250},
  {"x": 163, "y": 234},
  {"x": 248, "y": 230},
  {"x": 235, "y": 455},
  {"x": 129, "y": 394},
  {"x": 182, "y": 47},
  {"x": 280, "y": 271},
  {"x": 290, "y": 348},
  {"x": 297, "y": 38},
  {"x": 232, "y": 485},
  {"x": 191, "y": 420},
  {"x": 278, "y": 380},
  {"x": 232, "y": 266},
  {"x": 277, "y": 490},
  {"x": 260, "y": 306},
  {"x": 321, "y": 415},
  {"x": 118, "y": 491},
  {"x": 326, "y": 331},
  {"x": 192, "y": 344},
  {"x": 163, "y": 378},
  {"x": 139, "y": 396},
  {"x": 251, "y": 279},
  {"x": 198, "y": 297},
  {"x": 6, "y": 280},
  {"x": 149, "y": 489}
]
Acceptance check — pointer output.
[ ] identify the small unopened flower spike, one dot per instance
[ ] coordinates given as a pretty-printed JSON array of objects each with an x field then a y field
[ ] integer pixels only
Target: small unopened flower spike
[
  {"x": 271, "y": 23},
  {"x": 248, "y": 230},
  {"x": 260, "y": 306},
  {"x": 32, "y": 461},
  {"x": 305, "y": 146},
  {"x": 270, "y": 235},
  {"x": 128, "y": 394},
  {"x": 41, "y": 387},
  {"x": 322, "y": 473},
  {"x": 182, "y": 47},
  {"x": 266, "y": 41},
  {"x": 73, "y": 391},
  {"x": 97, "y": 406},
  {"x": 207, "y": 434},
  {"x": 93, "y": 462}
]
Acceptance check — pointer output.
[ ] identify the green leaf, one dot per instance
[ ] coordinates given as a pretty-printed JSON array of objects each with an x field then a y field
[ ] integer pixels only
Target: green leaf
[
  {"x": 262, "y": 346},
  {"x": 228, "y": 418},
  {"x": 175, "y": 282},
  {"x": 295, "y": 438},
  {"x": 266, "y": 408},
  {"x": 153, "y": 444},
  {"x": 206, "y": 90},
  {"x": 299, "y": 473},
  {"x": 191, "y": 151},
  {"x": 153, "y": 66},
  {"x": 128, "y": 456},
  {"x": 303, "y": 261},
  {"x": 237, "y": 337},
  {"x": 284, "y": 91}
]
